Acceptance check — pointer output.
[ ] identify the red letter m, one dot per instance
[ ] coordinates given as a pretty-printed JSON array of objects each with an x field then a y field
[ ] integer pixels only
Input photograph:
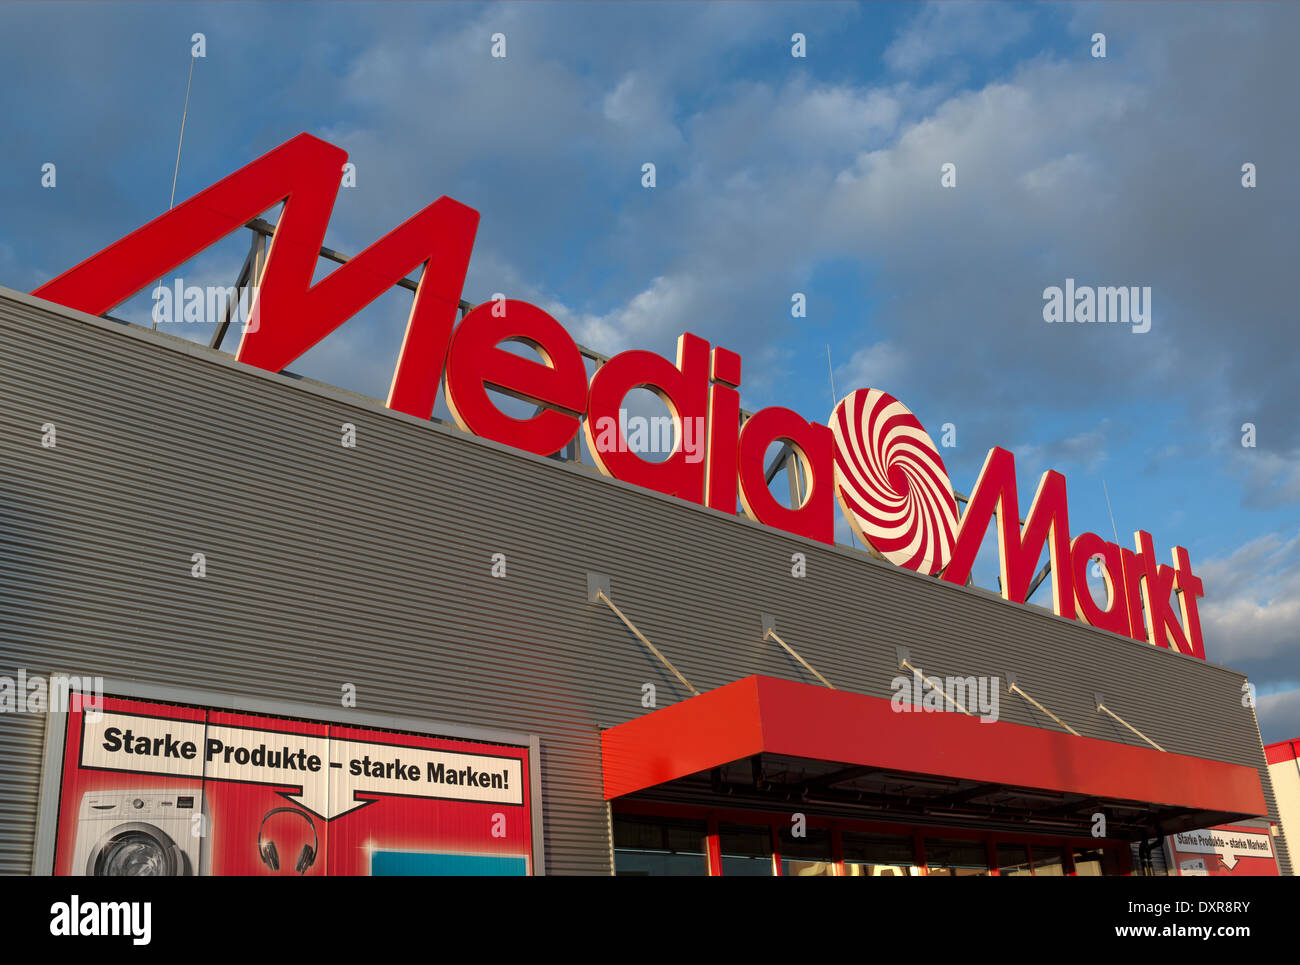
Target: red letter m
[
  {"x": 1048, "y": 522},
  {"x": 289, "y": 314}
]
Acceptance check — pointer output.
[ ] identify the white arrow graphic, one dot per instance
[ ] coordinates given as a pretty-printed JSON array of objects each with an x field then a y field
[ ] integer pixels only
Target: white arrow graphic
[
  {"x": 1229, "y": 845},
  {"x": 370, "y": 768}
]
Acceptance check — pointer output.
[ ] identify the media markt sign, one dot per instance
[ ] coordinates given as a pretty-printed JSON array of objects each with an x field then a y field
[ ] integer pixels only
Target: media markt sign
[{"x": 874, "y": 458}]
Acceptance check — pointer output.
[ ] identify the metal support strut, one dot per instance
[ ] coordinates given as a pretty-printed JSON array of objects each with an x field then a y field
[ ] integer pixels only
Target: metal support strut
[
  {"x": 1014, "y": 688},
  {"x": 935, "y": 686},
  {"x": 790, "y": 650},
  {"x": 1106, "y": 710},
  {"x": 600, "y": 595}
]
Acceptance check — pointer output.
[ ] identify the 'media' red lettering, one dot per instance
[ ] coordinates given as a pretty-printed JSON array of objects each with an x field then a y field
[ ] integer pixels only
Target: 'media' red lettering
[{"x": 877, "y": 461}]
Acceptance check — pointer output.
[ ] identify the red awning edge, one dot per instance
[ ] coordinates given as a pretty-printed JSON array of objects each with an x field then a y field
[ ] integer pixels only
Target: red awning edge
[{"x": 758, "y": 715}]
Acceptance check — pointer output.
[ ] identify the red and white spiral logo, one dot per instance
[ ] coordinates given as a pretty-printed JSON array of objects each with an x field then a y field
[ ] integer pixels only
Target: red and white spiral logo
[{"x": 891, "y": 482}]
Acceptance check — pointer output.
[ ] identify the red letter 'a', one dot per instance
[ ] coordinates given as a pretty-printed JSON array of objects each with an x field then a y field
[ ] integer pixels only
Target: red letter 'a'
[
  {"x": 1048, "y": 522},
  {"x": 289, "y": 315}
]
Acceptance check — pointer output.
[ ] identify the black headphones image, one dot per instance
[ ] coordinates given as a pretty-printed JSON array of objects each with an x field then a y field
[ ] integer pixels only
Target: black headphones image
[{"x": 271, "y": 857}]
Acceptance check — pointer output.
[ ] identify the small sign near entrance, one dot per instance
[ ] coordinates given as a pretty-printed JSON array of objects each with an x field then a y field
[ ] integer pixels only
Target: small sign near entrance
[{"x": 1226, "y": 850}]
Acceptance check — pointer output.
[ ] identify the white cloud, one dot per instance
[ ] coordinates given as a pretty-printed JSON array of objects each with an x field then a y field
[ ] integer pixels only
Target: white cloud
[
  {"x": 944, "y": 31},
  {"x": 639, "y": 105},
  {"x": 1269, "y": 479},
  {"x": 1086, "y": 449},
  {"x": 767, "y": 179},
  {"x": 1251, "y": 611},
  {"x": 877, "y": 366},
  {"x": 1279, "y": 715},
  {"x": 655, "y": 315}
]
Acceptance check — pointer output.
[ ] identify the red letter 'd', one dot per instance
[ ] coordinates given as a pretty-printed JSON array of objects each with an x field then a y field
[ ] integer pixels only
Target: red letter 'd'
[
  {"x": 684, "y": 389},
  {"x": 477, "y": 362}
]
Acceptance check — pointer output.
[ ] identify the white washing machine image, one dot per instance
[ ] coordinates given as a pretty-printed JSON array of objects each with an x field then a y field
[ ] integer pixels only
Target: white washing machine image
[{"x": 137, "y": 832}]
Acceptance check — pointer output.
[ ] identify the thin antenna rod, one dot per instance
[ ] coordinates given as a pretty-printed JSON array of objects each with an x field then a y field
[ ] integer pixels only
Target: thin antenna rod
[
  {"x": 171, "y": 203},
  {"x": 1108, "y": 510},
  {"x": 831, "y": 369},
  {"x": 184, "y": 114}
]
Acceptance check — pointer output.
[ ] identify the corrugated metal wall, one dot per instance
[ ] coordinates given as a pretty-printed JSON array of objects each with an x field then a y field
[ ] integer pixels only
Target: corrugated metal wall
[
  {"x": 372, "y": 566},
  {"x": 21, "y": 741}
]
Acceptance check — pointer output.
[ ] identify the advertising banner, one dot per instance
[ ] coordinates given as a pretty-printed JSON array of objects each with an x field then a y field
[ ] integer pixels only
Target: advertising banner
[
  {"x": 157, "y": 789},
  {"x": 1226, "y": 850}
]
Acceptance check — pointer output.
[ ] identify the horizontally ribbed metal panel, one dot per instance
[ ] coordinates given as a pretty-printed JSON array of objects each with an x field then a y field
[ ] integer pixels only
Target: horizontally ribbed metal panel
[
  {"x": 1280, "y": 845},
  {"x": 372, "y": 566},
  {"x": 21, "y": 741}
]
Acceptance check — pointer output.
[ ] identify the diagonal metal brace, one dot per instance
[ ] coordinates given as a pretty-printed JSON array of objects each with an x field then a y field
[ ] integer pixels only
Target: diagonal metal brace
[
  {"x": 769, "y": 631},
  {"x": 1106, "y": 710},
  {"x": 599, "y": 594}
]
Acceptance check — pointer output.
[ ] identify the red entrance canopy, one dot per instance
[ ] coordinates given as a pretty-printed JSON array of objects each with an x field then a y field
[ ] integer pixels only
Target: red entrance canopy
[{"x": 764, "y": 715}]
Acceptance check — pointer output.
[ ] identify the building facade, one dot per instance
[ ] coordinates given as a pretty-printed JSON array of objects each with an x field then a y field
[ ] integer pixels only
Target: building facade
[{"x": 198, "y": 537}]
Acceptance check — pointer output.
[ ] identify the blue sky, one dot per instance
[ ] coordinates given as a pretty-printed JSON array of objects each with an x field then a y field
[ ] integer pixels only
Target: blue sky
[{"x": 778, "y": 175}]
